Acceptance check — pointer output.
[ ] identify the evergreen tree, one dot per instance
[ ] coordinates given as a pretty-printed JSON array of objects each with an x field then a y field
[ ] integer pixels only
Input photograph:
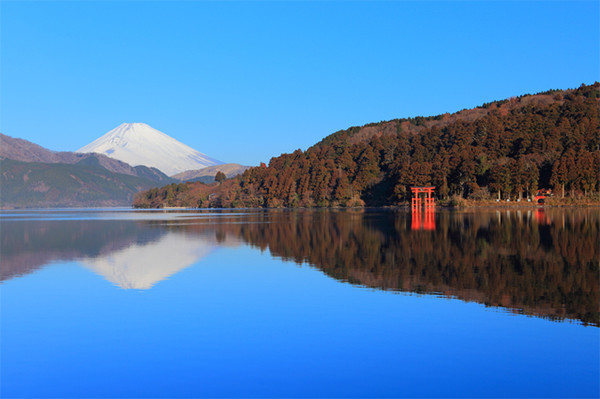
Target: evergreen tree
[{"x": 220, "y": 177}]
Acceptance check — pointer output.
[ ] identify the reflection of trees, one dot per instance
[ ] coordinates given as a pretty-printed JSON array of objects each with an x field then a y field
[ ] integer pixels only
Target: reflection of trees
[
  {"x": 544, "y": 264},
  {"x": 507, "y": 259}
]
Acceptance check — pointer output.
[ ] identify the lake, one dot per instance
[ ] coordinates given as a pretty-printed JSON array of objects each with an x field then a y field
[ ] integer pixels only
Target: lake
[{"x": 280, "y": 303}]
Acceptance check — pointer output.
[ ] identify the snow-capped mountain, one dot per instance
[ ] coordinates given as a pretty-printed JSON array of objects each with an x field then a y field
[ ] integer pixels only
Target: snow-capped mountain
[{"x": 140, "y": 144}]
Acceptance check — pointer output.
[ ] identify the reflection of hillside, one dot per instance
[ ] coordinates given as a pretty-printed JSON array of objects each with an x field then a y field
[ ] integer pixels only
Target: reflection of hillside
[
  {"x": 28, "y": 245},
  {"x": 540, "y": 264},
  {"x": 130, "y": 254},
  {"x": 507, "y": 259},
  {"x": 140, "y": 266}
]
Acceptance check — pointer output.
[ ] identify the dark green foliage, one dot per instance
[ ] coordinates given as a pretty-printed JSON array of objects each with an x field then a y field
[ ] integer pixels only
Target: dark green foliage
[
  {"x": 33, "y": 184},
  {"x": 152, "y": 174}
]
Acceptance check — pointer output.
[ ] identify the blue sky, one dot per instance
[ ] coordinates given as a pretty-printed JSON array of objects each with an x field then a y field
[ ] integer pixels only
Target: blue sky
[{"x": 245, "y": 81}]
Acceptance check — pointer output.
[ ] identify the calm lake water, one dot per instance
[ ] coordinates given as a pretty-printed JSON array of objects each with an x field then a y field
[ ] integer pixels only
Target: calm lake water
[{"x": 121, "y": 303}]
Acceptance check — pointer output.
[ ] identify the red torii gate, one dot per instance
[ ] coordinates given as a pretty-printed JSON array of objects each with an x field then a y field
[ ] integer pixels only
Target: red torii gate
[
  {"x": 418, "y": 221},
  {"x": 428, "y": 201}
]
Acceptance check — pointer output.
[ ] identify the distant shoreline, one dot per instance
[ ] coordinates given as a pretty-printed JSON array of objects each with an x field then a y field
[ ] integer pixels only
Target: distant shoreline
[{"x": 464, "y": 204}]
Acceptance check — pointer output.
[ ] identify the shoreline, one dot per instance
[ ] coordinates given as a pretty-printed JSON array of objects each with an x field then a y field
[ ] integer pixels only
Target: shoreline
[{"x": 464, "y": 204}]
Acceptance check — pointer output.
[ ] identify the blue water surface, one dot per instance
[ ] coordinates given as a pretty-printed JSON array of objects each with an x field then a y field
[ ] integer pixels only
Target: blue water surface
[{"x": 239, "y": 322}]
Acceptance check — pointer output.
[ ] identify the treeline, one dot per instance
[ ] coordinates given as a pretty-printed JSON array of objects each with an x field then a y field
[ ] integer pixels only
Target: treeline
[{"x": 505, "y": 149}]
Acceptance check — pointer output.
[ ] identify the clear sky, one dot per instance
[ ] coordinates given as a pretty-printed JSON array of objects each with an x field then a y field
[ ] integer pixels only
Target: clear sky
[{"x": 245, "y": 81}]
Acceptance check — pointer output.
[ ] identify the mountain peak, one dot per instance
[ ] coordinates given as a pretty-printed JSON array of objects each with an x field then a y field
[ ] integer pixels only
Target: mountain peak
[
  {"x": 140, "y": 144},
  {"x": 134, "y": 126}
]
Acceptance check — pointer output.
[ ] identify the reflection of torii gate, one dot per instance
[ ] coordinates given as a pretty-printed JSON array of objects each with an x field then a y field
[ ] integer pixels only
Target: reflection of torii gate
[{"x": 418, "y": 222}]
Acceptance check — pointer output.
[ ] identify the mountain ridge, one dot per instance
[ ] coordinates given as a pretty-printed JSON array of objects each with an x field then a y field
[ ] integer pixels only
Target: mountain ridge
[
  {"x": 33, "y": 176},
  {"x": 140, "y": 144},
  {"x": 51, "y": 185},
  {"x": 25, "y": 151},
  {"x": 418, "y": 124},
  {"x": 229, "y": 169}
]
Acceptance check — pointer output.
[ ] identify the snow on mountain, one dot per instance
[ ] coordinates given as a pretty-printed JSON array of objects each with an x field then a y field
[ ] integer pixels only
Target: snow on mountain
[{"x": 140, "y": 144}]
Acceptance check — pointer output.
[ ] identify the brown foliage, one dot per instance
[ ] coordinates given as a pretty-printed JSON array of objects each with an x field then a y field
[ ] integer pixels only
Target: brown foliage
[{"x": 509, "y": 148}]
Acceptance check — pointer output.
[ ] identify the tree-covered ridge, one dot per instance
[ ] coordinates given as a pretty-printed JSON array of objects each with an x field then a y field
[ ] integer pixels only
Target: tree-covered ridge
[
  {"x": 87, "y": 183},
  {"x": 418, "y": 124},
  {"x": 506, "y": 149}
]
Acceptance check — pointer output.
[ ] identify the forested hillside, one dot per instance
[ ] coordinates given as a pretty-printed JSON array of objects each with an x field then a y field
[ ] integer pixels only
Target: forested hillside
[
  {"x": 51, "y": 185},
  {"x": 504, "y": 149}
]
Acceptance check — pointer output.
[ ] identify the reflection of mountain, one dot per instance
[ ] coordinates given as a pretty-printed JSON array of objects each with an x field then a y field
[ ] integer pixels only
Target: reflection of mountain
[
  {"x": 128, "y": 253},
  {"x": 141, "y": 266},
  {"x": 30, "y": 244},
  {"x": 543, "y": 264}
]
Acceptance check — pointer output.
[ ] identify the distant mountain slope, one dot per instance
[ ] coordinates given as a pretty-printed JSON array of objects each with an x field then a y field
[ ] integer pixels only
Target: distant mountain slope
[
  {"x": 140, "y": 144},
  {"x": 502, "y": 150},
  {"x": 26, "y": 151},
  {"x": 230, "y": 170},
  {"x": 85, "y": 184},
  {"x": 23, "y": 150}
]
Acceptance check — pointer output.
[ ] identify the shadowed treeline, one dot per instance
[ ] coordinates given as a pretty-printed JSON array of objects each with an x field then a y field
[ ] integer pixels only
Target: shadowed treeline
[{"x": 536, "y": 262}]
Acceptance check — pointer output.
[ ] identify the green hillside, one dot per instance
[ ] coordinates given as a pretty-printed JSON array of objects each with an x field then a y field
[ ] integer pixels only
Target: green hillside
[{"x": 35, "y": 184}]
